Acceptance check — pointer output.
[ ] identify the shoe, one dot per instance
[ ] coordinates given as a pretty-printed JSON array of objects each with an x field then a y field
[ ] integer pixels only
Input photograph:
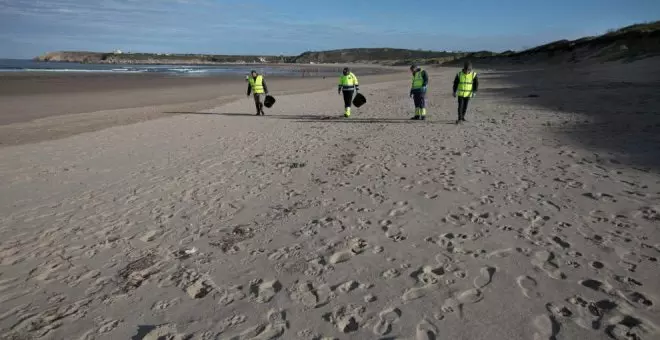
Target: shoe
[
  {"x": 415, "y": 118},
  {"x": 423, "y": 117},
  {"x": 458, "y": 121},
  {"x": 346, "y": 115}
]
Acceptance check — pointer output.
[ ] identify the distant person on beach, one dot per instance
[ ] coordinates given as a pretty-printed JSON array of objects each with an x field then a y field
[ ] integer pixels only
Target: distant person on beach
[
  {"x": 420, "y": 81},
  {"x": 348, "y": 86},
  {"x": 257, "y": 86},
  {"x": 465, "y": 87}
]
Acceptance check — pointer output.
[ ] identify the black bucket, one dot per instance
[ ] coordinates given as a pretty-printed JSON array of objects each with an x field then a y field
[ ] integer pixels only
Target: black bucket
[
  {"x": 269, "y": 101},
  {"x": 359, "y": 100}
]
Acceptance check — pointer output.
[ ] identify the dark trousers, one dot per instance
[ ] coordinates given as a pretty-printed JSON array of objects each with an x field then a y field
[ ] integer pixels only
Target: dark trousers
[
  {"x": 348, "y": 98},
  {"x": 420, "y": 100},
  {"x": 462, "y": 106},
  {"x": 258, "y": 103}
]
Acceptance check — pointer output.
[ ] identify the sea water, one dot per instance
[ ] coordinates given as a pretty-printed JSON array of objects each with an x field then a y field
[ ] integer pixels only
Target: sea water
[{"x": 15, "y": 65}]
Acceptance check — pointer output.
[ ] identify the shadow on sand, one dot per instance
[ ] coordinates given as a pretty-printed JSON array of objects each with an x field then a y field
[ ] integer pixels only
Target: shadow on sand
[
  {"x": 620, "y": 109},
  {"x": 326, "y": 119}
]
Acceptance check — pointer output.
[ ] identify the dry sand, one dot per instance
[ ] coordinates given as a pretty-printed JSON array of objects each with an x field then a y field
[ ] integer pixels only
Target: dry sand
[{"x": 304, "y": 225}]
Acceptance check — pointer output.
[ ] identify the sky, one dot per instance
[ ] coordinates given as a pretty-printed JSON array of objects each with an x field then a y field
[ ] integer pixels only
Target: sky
[{"x": 272, "y": 27}]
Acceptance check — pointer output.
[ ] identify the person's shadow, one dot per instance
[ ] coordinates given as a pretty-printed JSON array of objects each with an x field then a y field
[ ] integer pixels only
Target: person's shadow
[
  {"x": 601, "y": 109},
  {"x": 312, "y": 118}
]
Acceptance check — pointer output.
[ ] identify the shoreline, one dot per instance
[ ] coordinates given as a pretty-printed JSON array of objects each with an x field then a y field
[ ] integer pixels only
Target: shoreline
[
  {"x": 20, "y": 67},
  {"x": 47, "y": 107}
]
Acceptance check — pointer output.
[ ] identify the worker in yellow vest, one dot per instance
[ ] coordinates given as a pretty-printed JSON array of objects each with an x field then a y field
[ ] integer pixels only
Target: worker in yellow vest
[
  {"x": 348, "y": 86},
  {"x": 466, "y": 85},
  {"x": 257, "y": 86},
  {"x": 420, "y": 81}
]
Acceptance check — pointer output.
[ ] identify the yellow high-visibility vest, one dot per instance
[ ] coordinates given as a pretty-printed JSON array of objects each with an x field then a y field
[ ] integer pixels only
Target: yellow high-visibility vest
[
  {"x": 465, "y": 81},
  {"x": 417, "y": 80},
  {"x": 257, "y": 84},
  {"x": 348, "y": 82}
]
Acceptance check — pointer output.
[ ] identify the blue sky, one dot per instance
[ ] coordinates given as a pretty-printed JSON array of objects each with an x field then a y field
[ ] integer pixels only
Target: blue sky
[{"x": 32, "y": 27}]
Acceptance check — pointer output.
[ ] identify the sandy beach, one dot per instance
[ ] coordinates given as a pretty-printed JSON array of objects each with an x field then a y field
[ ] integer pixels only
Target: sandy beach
[
  {"x": 46, "y": 106},
  {"x": 142, "y": 217}
]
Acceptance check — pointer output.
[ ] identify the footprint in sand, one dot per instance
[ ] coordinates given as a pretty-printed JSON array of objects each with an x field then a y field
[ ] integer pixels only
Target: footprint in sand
[
  {"x": 500, "y": 253},
  {"x": 401, "y": 209},
  {"x": 596, "y": 265},
  {"x": 484, "y": 278},
  {"x": 346, "y": 318},
  {"x": 631, "y": 267},
  {"x": 528, "y": 286},
  {"x": 340, "y": 257},
  {"x": 310, "y": 296},
  {"x": 597, "y": 285},
  {"x": 560, "y": 242},
  {"x": 627, "y": 280},
  {"x": 551, "y": 205},
  {"x": 151, "y": 235},
  {"x": 164, "y": 304},
  {"x": 589, "y": 314},
  {"x": 390, "y": 274},
  {"x": 347, "y": 286},
  {"x": 546, "y": 327},
  {"x": 262, "y": 292},
  {"x": 428, "y": 277},
  {"x": 598, "y": 196},
  {"x": 108, "y": 326},
  {"x": 394, "y": 234},
  {"x": 426, "y": 331},
  {"x": 467, "y": 297},
  {"x": 637, "y": 299},
  {"x": 274, "y": 328},
  {"x": 166, "y": 331},
  {"x": 461, "y": 274},
  {"x": 231, "y": 322},
  {"x": 559, "y": 312},
  {"x": 544, "y": 260},
  {"x": 470, "y": 296},
  {"x": 385, "y": 320},
  {"x": 626, "y": 327}
]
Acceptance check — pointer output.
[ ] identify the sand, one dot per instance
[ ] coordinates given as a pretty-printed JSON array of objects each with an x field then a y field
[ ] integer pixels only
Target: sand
[
  {"x": 303, "y": 225},
  {"x": 46, "y": 107}
]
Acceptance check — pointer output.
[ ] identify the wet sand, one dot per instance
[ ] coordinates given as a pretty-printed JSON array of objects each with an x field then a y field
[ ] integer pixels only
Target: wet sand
[{"x": 39, "y": 107}]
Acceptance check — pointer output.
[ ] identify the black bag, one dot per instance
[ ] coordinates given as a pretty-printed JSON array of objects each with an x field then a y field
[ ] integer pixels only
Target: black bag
[
  {"x": 359, "y": 100},
  {"x": 269, "y": 101}
]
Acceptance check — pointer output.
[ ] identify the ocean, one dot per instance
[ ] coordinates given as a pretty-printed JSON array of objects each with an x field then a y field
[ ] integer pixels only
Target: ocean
[{"x": 15, "y": 65}]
